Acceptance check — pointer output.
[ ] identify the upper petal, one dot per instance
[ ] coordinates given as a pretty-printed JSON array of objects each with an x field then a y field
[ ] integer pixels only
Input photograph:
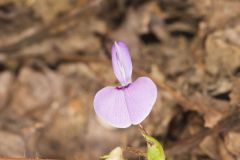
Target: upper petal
[
  {"x": 140, "y": 97},
  {"x": 110, "y": 106},
  {"x": 121, "y": 62}
]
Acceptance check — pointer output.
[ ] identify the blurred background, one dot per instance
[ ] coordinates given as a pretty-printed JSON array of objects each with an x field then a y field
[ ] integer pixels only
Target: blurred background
[{"x": 55, "y": 55}]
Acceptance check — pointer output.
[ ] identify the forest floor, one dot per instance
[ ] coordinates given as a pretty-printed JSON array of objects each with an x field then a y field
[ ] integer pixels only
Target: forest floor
[{"x": 55, "y": 55}]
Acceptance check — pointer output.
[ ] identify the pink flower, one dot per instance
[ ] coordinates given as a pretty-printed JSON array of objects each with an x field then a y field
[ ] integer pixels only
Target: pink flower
[{"x": 129, "y": 103}]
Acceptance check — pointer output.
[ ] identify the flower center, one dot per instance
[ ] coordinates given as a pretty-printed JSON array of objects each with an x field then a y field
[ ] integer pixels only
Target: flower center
[{"x": 123, "y": 87}]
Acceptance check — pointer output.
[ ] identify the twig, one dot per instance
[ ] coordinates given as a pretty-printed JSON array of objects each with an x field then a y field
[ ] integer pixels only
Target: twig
[
  {"x": 232, "y": 121},
  {"x": 134, "y": 151}
]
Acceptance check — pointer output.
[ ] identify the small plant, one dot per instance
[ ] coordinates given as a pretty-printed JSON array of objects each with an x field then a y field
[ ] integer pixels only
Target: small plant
[{"x": 130, "y": 103}]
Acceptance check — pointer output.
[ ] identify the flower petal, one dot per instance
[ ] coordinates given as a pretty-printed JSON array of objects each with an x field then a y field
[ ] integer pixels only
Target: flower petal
[
  {"x": 124, "y": 106},
  {"x": 122, "y": 63},
  {"x": 140, "y": 97},
  {"x": 110, "y": 106}
]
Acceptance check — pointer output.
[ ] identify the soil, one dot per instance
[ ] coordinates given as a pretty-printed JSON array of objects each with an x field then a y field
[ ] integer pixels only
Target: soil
[{"x": 55, "y": 55}]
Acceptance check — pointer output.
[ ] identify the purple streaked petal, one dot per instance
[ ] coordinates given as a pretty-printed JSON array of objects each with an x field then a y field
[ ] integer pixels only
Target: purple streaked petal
[
  {"x": 140, "y": 97},
  {"x": 110, "y": 106},
  {"x": 122, "y": 63}
]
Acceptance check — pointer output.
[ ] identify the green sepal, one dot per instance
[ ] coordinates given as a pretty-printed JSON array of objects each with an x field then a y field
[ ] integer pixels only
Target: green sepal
[{"x": 155, "y": 150}]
